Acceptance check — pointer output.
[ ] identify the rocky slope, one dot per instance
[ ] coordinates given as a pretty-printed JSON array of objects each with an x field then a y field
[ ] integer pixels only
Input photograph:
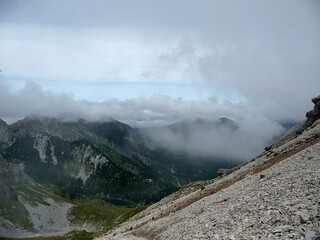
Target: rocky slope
[{"x": 274, "y": 196}]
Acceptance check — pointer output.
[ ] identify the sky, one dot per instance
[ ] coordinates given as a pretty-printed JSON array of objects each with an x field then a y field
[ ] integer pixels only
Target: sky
[{"x": 151, "y": 63}]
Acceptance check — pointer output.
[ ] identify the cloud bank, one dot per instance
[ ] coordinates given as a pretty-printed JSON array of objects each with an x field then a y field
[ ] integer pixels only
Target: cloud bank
[
  {"x": 218, "y": 140},
  {"x": 137, "y": 112},
  {"x": 252, "y": 133}
]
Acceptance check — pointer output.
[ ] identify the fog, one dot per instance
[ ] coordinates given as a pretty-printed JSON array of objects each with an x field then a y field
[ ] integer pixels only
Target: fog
[
  {"x": 247, "y": 135},
  {"x": 236, "y": 141}
]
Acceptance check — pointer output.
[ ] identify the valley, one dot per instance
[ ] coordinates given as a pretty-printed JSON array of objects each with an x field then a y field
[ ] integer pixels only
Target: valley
[{"x": 61, "y": 173}]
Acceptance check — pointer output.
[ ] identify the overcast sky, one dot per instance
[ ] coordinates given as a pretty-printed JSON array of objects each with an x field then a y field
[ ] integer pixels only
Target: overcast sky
[{"x": 155, "y": 62}]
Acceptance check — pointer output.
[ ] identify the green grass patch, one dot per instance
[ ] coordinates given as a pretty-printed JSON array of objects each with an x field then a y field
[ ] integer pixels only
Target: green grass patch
[
  {"x": 103, "y": 215},
  {"x": 75, "y": 235}
]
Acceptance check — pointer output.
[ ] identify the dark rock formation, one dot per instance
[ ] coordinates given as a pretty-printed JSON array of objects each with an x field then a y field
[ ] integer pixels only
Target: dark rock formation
[{"x": 314, "y": 114}]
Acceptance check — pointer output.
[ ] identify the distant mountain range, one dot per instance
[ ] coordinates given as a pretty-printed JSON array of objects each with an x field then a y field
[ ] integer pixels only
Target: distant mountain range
[
  {"x": 108, "y": 159},
  {"x": 47, "y": 163}
]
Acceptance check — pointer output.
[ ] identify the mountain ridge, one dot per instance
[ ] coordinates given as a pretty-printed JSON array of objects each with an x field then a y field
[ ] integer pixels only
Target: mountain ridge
[{"x": 79, "y": 149}]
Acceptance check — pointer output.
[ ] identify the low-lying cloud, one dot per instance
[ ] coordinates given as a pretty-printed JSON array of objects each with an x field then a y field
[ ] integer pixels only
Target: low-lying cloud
[
  {"x": 252, "y": 133},
  {"x": 235, "y": 141},
  {"x": 137, "y": 112}
]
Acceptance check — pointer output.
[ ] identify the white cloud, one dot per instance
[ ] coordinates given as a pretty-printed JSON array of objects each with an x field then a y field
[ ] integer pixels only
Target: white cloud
[
  {"x": 220, "y": 142},
  {"x": 256, "y": 129},
  {"x": 31, "y": 99}
]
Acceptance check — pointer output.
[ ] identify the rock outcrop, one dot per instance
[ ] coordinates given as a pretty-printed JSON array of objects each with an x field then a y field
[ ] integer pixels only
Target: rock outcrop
[{"x": 314, "y": 114}]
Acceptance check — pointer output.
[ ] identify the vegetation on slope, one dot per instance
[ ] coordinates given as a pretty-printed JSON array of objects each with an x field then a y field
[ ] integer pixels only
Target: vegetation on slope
[
  {"x": 74, "y": 235},
  {"x": 100, "y": 214}
]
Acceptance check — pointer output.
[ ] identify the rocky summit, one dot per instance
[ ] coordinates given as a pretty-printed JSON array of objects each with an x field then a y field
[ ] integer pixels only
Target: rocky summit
[{"x": 274, "y": 196}]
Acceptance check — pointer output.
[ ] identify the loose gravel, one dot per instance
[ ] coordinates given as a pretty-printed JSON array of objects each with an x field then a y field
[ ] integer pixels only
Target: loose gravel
[{"x": 281, "y": 202}]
